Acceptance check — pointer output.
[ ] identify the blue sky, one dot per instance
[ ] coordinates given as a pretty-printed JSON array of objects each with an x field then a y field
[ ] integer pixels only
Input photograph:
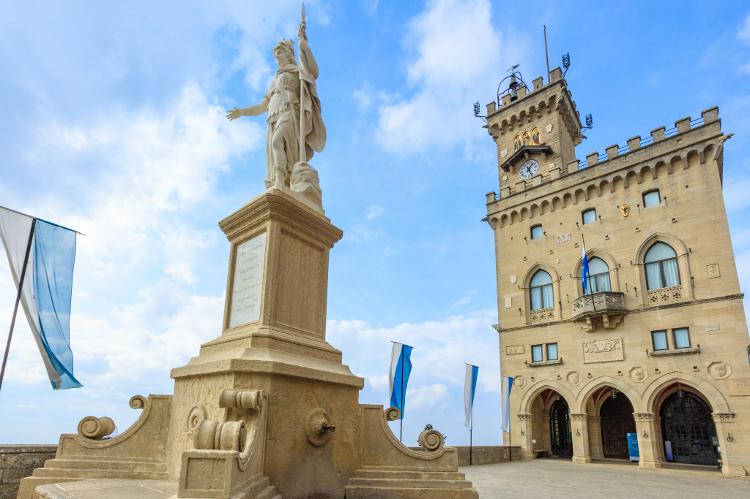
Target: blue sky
[{"x": 113, "y": 123}]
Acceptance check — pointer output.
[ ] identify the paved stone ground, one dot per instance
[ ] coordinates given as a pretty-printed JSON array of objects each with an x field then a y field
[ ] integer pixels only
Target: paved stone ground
[{"x": 557, "y": 478}]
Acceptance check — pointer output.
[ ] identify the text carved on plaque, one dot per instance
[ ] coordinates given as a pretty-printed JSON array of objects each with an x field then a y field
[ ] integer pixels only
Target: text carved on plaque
[{"x": 248, "y": 280}]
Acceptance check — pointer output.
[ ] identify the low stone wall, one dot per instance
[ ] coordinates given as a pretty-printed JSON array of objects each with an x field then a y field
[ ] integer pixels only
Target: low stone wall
[
  {"x": 487, "y": 454},
  {"x": 18, "y": 461}
]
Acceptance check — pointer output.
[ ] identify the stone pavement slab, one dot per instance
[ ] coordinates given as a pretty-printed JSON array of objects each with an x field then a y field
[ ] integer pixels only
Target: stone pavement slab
[
  {"x": 110, "y": 489},
  {"x": 556, "y": 478}
]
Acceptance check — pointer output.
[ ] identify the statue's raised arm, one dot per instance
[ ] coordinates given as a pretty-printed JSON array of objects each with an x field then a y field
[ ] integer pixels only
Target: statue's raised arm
[{"x": 295, "y": 125}]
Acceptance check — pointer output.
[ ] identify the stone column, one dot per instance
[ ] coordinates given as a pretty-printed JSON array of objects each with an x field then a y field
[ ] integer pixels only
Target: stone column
[
  {"x": 727, "y": 436},
  {"x": 595, "y": 437},
  {"x": 525, "y": 423},
  {"x": 579, "y": 429},
  {"x": 648, "y": 443}
]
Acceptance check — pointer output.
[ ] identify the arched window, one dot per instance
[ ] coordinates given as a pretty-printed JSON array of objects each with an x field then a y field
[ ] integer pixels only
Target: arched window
[
  {"x": 598, "y": 276},
  {"x": 540, "y": 291},
  {"x": 662, "y": 270}
]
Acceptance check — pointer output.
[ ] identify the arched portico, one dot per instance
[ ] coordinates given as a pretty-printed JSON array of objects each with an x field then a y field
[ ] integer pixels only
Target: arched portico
[
  {"x": 546, "y": 421},
  {"x": 608, "y": 404},
  {"x": 685, "y": 411}
]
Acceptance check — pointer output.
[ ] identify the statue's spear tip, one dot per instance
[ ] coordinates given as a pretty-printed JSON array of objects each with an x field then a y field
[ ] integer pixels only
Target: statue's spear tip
[{"x": 303, "y": 11}]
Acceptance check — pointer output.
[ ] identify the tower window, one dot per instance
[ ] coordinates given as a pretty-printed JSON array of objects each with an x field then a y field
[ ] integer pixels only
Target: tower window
[
  {"x": 659, "y": 340},
  {"x": 598, "y": 278},
  {"x": 588, "y": 216},
  {"x": 681, "y": 337},
  {"x": 540, "y": 291},
  {"x": 651, "y": 198},
  {"x": 537, "y": 232},
  {"x": 537, "y": 353},
  {"x": 551, "y": 351},
  {"x": 662, "y": 269}
]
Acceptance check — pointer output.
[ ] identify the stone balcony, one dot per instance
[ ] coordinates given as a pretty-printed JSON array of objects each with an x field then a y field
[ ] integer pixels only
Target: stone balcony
[{"x": 607, "y": 308}]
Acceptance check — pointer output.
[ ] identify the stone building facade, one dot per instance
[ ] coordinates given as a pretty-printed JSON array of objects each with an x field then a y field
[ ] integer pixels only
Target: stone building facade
[{"x": 657, "y": 345}]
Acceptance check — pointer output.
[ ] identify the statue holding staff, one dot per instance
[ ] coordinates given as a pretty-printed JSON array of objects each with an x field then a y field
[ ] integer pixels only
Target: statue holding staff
[{"x": 295, "y": 124}]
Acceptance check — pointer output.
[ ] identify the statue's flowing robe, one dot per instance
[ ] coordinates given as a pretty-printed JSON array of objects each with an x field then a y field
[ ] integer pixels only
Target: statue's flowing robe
[{"x": 315, "y": 130}]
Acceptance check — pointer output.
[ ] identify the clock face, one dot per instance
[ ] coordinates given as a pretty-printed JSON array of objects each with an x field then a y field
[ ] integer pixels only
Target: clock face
[{"x": 529, "y": 169}]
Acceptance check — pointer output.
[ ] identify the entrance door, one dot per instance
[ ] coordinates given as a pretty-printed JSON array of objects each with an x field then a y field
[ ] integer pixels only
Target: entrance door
[
  {"x": 559, "y": 421},
  {"x": 687, "y": 424},
  {"x": 617, "y": 421}
]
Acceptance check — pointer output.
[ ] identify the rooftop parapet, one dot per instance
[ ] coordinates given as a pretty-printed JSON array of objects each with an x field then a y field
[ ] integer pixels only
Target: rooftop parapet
[{"x": 657, "y": 134}]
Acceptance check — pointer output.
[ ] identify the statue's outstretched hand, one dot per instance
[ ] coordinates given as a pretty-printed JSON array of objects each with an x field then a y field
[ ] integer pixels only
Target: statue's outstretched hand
[{"x": 233, "y": 114}]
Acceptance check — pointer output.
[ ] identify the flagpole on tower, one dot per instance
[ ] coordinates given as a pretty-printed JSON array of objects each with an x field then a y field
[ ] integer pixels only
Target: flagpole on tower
[{"x": 18, "y": 300}]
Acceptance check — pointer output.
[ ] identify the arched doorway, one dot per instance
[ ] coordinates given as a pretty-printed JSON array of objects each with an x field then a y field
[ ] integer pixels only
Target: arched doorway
[
  {"x": 688, "y": 429},
  {"x": 616, "y": 421},
  {"x": 559, "y": 422}
]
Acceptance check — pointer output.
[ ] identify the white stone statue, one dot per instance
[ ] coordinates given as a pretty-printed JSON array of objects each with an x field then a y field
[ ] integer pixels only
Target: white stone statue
[{"x": 295, "y": 124}]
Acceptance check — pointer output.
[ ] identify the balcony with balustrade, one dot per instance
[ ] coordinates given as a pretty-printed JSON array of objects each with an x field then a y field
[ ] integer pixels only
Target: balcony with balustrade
[{"x": 606, "y": 308}]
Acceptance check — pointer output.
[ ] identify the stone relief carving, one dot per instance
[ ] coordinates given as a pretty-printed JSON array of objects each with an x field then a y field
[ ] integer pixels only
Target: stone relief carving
[
  {"x": 712, "y": 271},
  {"x": 638, "y": 374},
  {"x": 574, "y": 378},
  {"x": 605, "y": 350},
  {"x": 520, "y": 381},
  {"x": 514, "y": 349},
  {"x": 719, "y": 370},
  {"x": 624, "y": 209},
  {"x": 665, "y": 295},
  {"x": 643, "y": 416},
  {"x": 723, "y": 417}
]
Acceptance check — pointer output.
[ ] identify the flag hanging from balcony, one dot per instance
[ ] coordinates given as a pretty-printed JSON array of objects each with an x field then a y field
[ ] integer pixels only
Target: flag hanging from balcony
[
  {"x": 41, "y": 256},
  {"x": 470, "y": 388},
  {"x": 506, "y": 383},
  {"x": 399, "y": 377},
  {"x": 584, "y": 268}
]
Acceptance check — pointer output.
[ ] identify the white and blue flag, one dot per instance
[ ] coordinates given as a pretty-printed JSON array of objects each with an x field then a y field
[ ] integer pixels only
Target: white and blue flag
[
  {"x": 584, "y": 269},
  {"x": 470, "y": 388},
  {"x": 47, "y": 254},
  {"x": 506, "y": 387},
  {"x": 400, "y": 371}
]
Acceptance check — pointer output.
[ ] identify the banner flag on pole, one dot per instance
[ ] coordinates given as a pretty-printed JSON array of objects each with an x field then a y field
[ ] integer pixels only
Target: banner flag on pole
[
  {"x": 584, "y": 268},
  {"x": 470, "y": 387},
  {"x": 399, "y": 378},
  {"x": 507, "y": 386},
  {"x": 47, "y": 286}
]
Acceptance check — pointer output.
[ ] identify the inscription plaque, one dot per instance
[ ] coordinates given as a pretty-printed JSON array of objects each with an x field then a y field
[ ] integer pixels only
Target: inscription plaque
[{"x": 248, "y": 281}]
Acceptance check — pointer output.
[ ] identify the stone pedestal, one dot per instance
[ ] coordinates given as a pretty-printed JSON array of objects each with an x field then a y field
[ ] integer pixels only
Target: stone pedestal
[{"x": 274, "y": 341}]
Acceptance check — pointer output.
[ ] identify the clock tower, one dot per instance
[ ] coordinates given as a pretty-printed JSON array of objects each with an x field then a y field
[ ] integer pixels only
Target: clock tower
[{"x": 536, "y": 131}]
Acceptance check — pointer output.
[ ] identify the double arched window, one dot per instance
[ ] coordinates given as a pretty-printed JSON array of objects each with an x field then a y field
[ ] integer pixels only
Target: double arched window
[
  {"x": 598, "y": 278},
  {"x": 540, "y": 291},
  {"x": 662, "y": 269}
]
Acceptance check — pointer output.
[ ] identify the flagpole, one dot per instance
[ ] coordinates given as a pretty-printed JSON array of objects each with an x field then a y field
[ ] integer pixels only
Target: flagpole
[
  {"x": 471, "y": 433},
  {"x": 18, "y": 300},
  {"x": 403, "y": 398}
]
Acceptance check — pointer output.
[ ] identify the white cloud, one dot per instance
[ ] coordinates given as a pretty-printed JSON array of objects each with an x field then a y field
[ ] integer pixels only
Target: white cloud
[
  {"x": 457, "y": 55},
  {"x": 374, "y": 211},
  {"x": 152, "y": 167},
  {"x": 743, "y": 34},
  {"x": 428, "y": 397}
]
